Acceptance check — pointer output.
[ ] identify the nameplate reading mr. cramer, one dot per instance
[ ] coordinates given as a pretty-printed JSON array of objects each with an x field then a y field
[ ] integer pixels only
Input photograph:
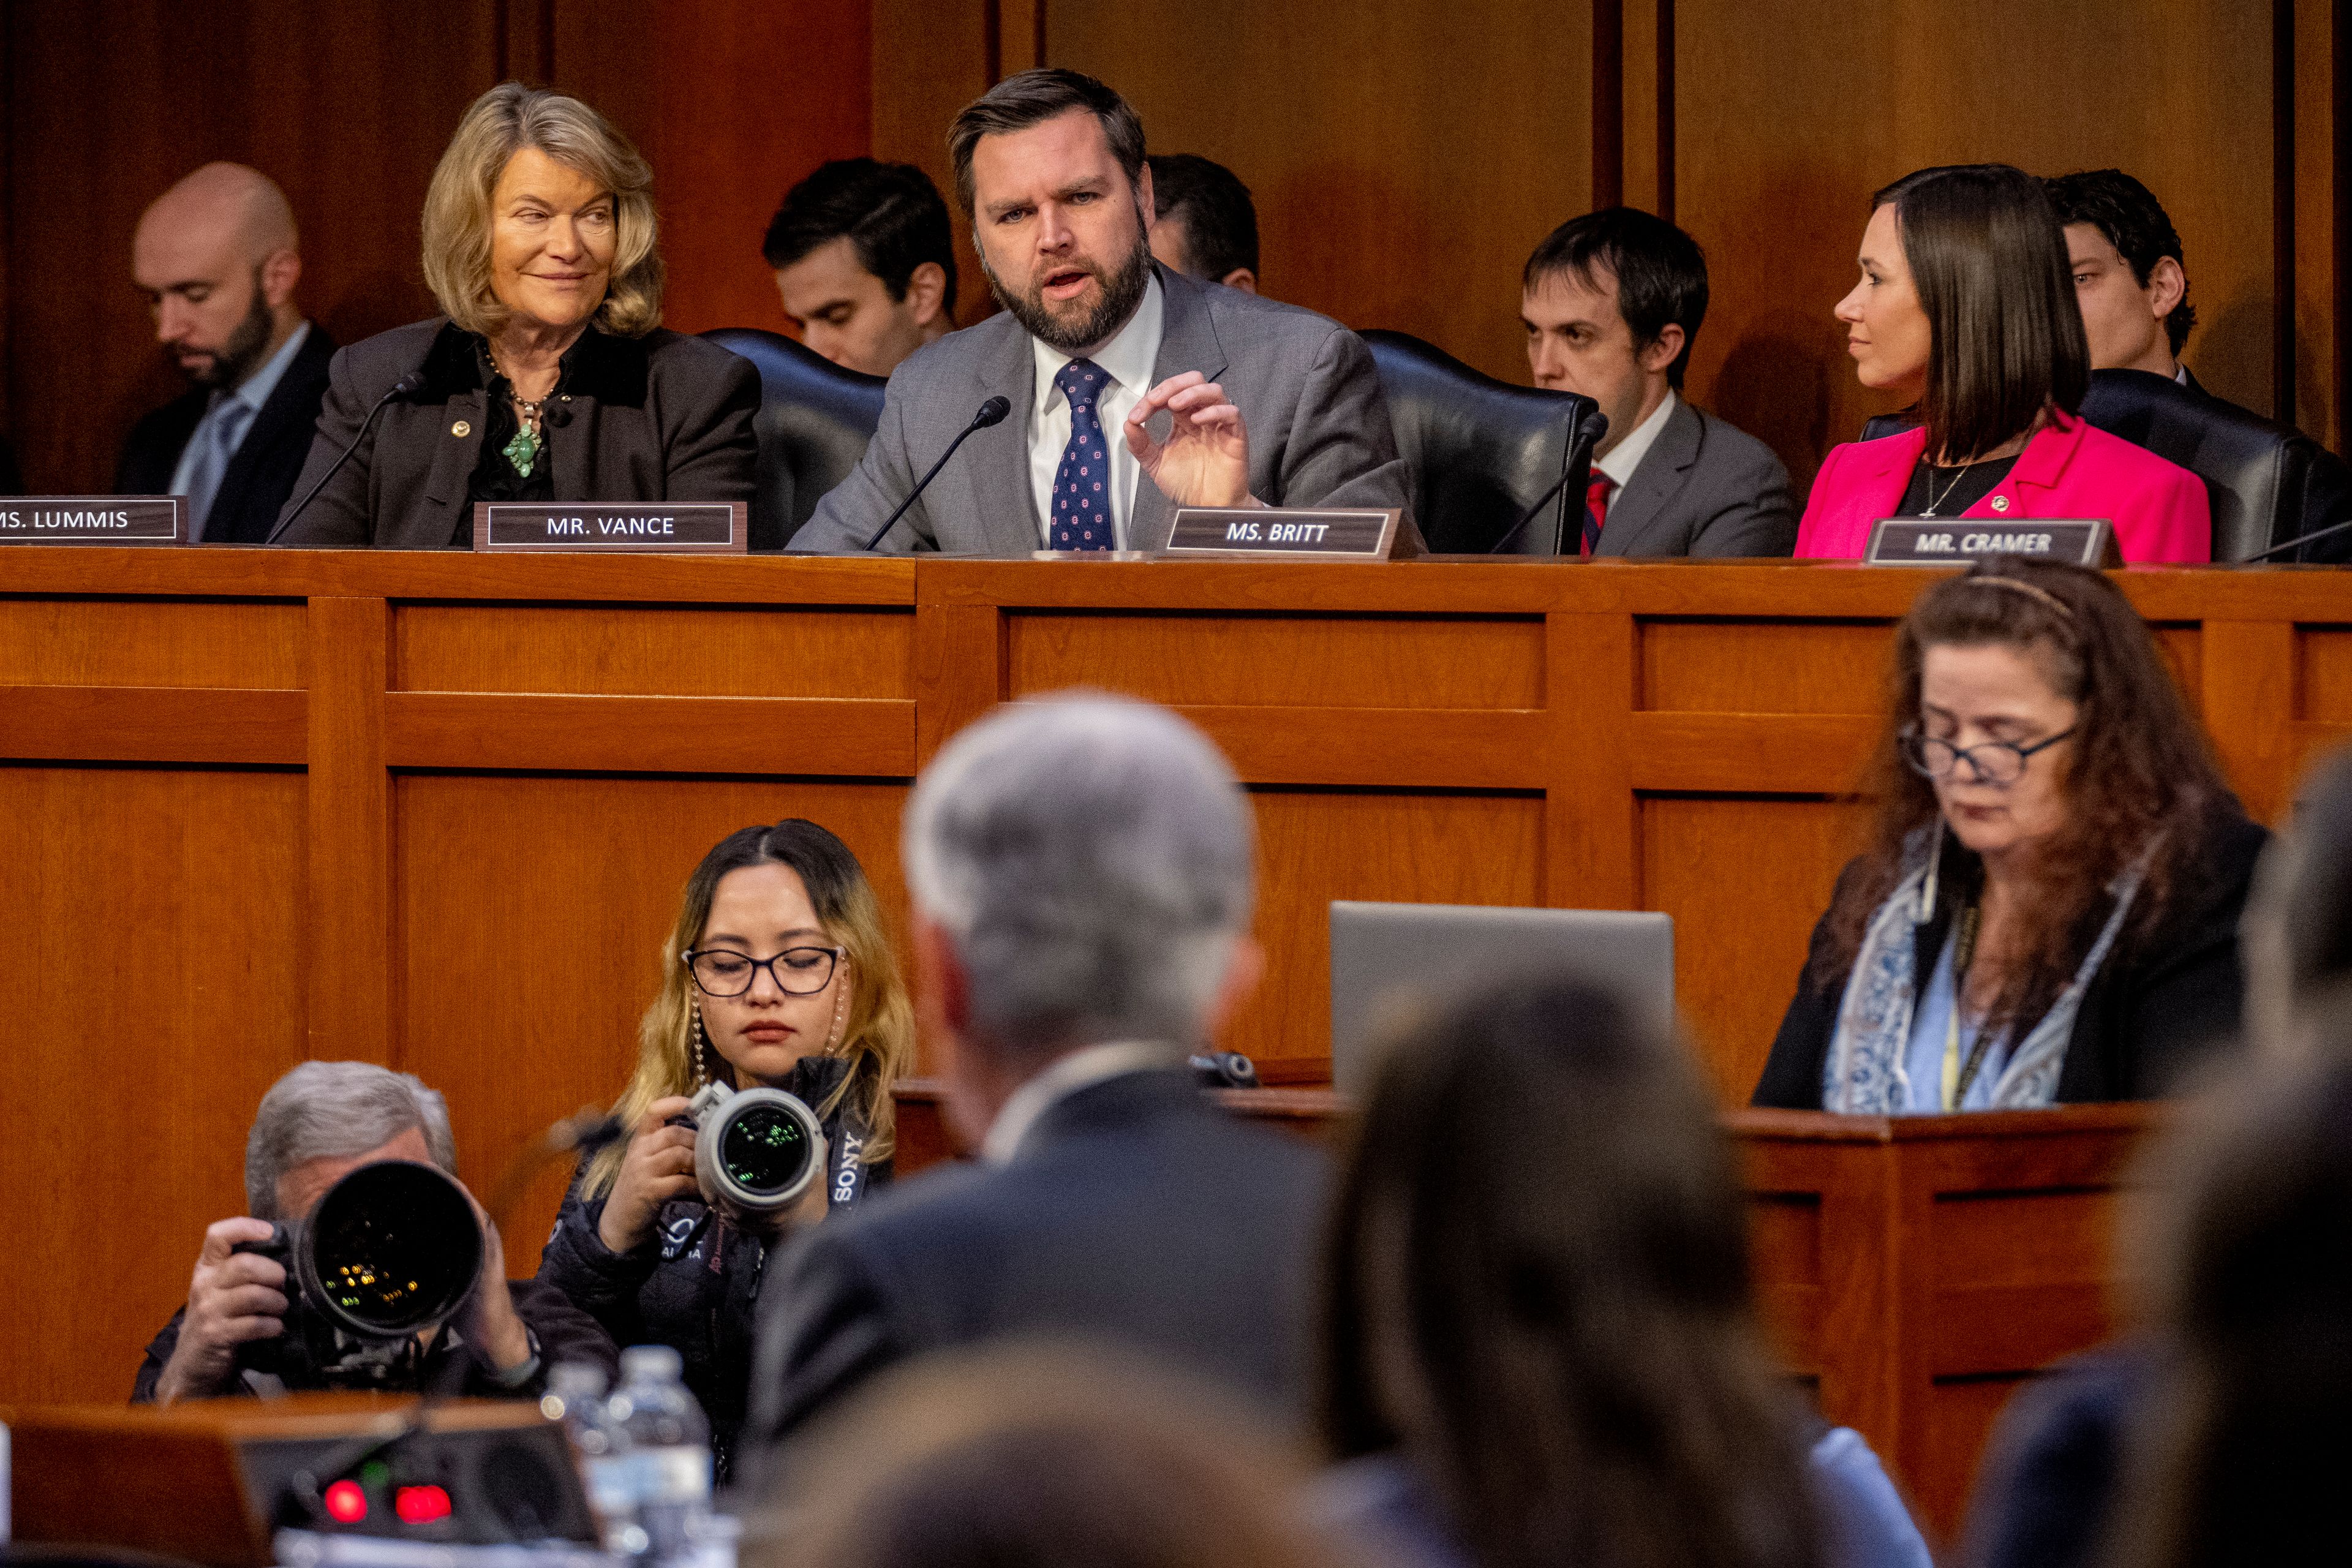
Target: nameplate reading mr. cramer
[
  {"x": 1308, "y": 533},
  {"x": 675, "y": 527},
  {"x": 93, "y": 519},
  {"x": 1956, "y": 541}
]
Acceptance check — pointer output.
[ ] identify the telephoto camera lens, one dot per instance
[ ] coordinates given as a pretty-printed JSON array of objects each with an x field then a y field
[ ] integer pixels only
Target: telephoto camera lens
[
  {"x": 754, "y": 1149},
  {"x": 392, "y": 1249}
]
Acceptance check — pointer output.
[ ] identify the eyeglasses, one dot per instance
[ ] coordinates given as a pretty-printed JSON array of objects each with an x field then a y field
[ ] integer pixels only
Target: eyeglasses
[
  {"x": 797, "y": 971},
  {"x": 1989, "y": 762}
]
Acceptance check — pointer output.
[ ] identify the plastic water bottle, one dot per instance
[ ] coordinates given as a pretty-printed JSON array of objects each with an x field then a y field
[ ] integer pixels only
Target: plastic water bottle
[
  {"x": 575, "y": 1397},
  {"x": 669, "y": 1450}
]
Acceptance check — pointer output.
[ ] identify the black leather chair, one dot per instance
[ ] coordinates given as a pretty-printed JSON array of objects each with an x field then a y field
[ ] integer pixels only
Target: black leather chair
[
  {"x": 814, "y": 421},
  {"x": 2267, "y": 483},
  {"x": 1483, "y": 451}
]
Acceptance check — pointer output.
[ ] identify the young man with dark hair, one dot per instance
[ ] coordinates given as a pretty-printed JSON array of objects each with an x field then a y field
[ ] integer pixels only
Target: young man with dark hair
[
  {"x": 864, "y": 261},
  {"x": 1134, "y": 390},
  {"x": 1610, "y": 302},
  {"x": 1204, "y": 224},
  {"x": 2128, "y": 272}
]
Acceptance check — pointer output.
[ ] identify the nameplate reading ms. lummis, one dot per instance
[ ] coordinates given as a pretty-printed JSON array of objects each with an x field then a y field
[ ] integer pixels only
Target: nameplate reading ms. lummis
[
  {"x": 94, "y": 520},
  {"x": 1937, "y": 542},
  {"x": 675, "y": 527},
  {"x": 1306, "y": 533}
]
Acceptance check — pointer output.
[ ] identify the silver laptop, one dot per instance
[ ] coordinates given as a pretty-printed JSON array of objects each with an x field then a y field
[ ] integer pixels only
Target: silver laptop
[{"x": 1386, "y": 957}]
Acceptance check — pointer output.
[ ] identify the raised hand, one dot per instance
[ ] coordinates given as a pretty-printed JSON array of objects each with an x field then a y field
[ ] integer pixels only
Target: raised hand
[
  {"x": 233, "y": 1297},
  {"x": 1205, "y": 459},
  {"x": 659, "y": 1166}
]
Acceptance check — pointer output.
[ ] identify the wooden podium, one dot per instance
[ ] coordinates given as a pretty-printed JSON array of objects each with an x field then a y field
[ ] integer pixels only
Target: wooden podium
[{"x": 1914, "y": 1269}]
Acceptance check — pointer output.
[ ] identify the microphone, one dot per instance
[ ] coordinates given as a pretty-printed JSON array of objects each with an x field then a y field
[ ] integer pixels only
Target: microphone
[
  {"x": 991, "y": 412},
  {"x": 1600, "y": 423},
  {"x": 2297, "y": 542},
  {"x": 408, "y": 385}
]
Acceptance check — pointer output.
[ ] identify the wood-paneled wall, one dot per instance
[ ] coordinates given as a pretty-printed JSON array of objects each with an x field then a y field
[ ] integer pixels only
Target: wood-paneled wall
[{"x": 1405, "y": 156}]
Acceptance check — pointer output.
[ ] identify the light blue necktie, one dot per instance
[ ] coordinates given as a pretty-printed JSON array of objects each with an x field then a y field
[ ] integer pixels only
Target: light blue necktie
[{"x": 217, "y": 437}]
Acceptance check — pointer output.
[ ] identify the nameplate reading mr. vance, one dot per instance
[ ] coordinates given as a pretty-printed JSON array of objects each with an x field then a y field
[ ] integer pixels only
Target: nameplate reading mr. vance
[
  {"x": 1955, "y": 541},
  {"x": 93, "y": 519},
  {"x": 679, "y": 527},
  {"x": 1313, "y": 533}
]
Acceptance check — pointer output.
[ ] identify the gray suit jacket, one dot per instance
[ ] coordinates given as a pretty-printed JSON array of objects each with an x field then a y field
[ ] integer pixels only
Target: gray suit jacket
[
  {"x": 1318, "y": 427},
  {"x": 1703, "y": 488},
  {"x": 661, "y": 417}
]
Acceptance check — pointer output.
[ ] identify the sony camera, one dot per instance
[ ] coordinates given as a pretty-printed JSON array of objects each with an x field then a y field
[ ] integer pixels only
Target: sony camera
[
  {"x": 392, "y": 1249},
  {"x": 755, "y": 1150}
]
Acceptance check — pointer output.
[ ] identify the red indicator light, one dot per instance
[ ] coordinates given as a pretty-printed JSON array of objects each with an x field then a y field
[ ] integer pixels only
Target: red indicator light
[
  {"x": 346, "y": 1504},
  {"x": 420, "y": 1505}
]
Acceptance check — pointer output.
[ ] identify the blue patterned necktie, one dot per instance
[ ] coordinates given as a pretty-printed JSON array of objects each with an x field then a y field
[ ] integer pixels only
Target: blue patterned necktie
[{"x": 1081, "y": 513}]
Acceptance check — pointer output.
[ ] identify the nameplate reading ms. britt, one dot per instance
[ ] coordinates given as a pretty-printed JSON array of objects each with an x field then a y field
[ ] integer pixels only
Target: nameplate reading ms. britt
[
  {"x": 94, "y": 520},
  {"x": 703, "y": 527},
  {"x": 1956, "y": 541},
  {"x": 1302, "y": 532}
]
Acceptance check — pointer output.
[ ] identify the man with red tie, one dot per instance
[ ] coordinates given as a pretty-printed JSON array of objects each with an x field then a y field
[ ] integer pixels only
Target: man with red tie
[{"x": 1610, "y": 302}]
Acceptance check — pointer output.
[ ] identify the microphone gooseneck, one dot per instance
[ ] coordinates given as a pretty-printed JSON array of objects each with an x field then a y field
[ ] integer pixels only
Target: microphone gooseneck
[
  {"x": 2296, "y": 543},
  {"x": 1600, "y": 424},
  {"x": 991, "y": 412},
  {"x": 408, "y": 385}
]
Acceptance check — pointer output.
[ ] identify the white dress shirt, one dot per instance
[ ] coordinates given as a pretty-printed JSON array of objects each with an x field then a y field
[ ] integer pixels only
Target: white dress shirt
[
  {"x": 1627, "y": 456},
  {"x": 253, "y": 391},
  {"x": 1082, "y": 1068},
  {"x": 1128, "y": 360}
]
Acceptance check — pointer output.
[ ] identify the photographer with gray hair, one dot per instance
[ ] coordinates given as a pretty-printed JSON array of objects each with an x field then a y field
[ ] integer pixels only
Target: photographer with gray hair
[
  {"x": 1081, "y": 878},
  {"x": 318, "y": 1124}
]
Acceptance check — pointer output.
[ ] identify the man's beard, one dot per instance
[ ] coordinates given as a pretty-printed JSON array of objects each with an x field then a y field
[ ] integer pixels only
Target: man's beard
[
  {"x": 1122, "y": 292},
  {"x": 241, "y": 355}
]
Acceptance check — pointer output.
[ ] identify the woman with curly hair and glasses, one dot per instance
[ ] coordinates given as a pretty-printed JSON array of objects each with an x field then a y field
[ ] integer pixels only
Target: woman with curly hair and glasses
[
  {"x": 777, "y": 973},
  {"x": 2049, "y": 908}
]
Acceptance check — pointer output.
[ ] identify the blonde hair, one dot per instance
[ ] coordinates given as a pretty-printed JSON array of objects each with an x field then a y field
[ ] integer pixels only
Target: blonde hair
[
  {"x": 457, "y": 219},
  {"x": 878, "y": 1036}
]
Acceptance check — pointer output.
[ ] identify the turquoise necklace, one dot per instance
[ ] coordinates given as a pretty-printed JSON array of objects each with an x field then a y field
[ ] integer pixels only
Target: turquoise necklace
[{"x": 524, "y": 450}]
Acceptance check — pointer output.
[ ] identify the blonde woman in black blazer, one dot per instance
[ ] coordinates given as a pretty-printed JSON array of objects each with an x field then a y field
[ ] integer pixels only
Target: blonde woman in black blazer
[{"x": 549, "y": 377}]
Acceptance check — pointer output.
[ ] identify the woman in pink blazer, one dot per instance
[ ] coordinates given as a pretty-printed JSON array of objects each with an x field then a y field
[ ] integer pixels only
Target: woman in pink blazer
[{"x": 1966, "y": 305}]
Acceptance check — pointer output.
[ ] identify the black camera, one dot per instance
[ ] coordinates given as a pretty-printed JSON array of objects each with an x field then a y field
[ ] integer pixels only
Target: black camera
[
  {"x": 755, "y": 1150},
  {"x": 392, "y": 1249}
]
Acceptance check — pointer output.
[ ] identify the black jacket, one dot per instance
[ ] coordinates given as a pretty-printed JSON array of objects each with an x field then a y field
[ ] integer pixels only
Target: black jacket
[
  {"x": 2148, "y": 1012},
  {"x": 261, "y": 475},
  {"x": 2054, "y": 1467},
  {"x": 563, "y": 1332},
  {"x": 661, "y": 417},
  {"x": 1135, "y": 1211},
  {"x": 694, "y": 1287}
]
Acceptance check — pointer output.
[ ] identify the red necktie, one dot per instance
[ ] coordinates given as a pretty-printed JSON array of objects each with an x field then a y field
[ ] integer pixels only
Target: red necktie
[{"x": 1596, "y": 510}]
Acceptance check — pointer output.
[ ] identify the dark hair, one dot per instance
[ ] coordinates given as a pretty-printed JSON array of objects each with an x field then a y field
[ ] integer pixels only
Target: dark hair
[
  {"x": 1539, "y": 1233},
  {"x": 1660, "y": 270},
  {"x": 2135, "y": 222},
  {"x": 2005, "y": 333},
  {"x": 2241, "y": 1438},
  {"x": 1210, "y": 200},
  {"x": 2141, "y": 779},
  {"x": 1034, "y": 1456},
  {"x": 1033, "y": 97},
  {"x": 891, "y": 213}
]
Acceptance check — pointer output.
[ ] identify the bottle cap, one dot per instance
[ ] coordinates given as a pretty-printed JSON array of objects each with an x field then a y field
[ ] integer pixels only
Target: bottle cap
[{"x": 652, "y": 1362}]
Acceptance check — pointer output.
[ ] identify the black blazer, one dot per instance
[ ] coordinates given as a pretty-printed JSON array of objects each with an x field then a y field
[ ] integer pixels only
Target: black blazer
[
  {"x": 1136, "y": 1211},
  {"x": 661, "y": 417},
  {"x": 2148, "y": 1012},
  {"x": 261, "y": 475}
]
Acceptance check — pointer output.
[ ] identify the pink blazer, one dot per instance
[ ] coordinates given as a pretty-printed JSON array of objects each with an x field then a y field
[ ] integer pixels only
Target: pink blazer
[{"x": 2068, "y": 469}]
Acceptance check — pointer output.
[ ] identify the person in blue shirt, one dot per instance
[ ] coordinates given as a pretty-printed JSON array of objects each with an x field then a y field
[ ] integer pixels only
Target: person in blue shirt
[{"x": 1540, "y": 1346}]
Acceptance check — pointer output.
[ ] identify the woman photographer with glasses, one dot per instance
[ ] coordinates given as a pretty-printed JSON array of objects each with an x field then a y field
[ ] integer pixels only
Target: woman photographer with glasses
[
  {"x": 2048, "y": 911},
  {"x": 777, "y": 973}
]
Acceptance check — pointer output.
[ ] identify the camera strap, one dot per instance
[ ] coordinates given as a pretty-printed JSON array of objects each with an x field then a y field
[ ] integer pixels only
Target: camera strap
[{"x": 845, "y": 1180}]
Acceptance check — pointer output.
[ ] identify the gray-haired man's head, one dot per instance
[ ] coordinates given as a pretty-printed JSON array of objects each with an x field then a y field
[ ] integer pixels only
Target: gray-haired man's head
[
  {"x": 338, "y": 1111},
  {"x": 1090, "y": 859}
]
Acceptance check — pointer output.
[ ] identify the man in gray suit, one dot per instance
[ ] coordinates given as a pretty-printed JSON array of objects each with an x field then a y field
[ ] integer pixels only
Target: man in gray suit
[
  {"x": 1134, "y": 390},
  {"x": 1610, "y": 302}
]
